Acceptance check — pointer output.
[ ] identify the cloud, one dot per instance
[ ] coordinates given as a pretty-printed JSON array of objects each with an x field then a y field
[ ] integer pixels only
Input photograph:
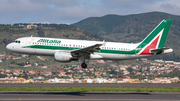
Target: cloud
[
  {"x": 124, "y": 7},
  {"x": 37, "y": 10},
  {"x": 168, "y": 6},
  {"x": 70, "y": 11}
]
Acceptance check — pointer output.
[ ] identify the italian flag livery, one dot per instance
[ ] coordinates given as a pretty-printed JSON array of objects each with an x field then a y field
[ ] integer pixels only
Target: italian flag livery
[
  {"x": 156, "y": 39},
  {"x": 66, "y": 50}
]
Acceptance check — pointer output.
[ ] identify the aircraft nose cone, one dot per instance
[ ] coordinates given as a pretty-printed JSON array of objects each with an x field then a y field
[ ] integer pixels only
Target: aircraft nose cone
[{"x": 9, "y": 46}]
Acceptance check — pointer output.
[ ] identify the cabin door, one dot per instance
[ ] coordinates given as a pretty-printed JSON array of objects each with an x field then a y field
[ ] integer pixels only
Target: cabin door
[
  {"x": 137, "y": 50},
  {"x": 28, "y": 41}
]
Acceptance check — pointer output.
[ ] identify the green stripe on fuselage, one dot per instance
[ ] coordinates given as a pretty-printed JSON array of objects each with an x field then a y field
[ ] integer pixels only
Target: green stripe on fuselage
[{"x": 131, "y": 52}]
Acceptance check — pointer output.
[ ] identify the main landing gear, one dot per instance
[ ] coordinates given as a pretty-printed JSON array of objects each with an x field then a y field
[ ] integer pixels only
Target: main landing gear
[{"x": 84, "y": 65}]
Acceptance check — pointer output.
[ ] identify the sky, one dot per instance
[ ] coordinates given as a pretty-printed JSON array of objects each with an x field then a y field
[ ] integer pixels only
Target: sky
[{"x": 72, "y": 11}]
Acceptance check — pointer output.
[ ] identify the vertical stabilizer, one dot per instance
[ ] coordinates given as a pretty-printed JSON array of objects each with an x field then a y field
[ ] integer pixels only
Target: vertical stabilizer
[{"x": 156, "y": 39}]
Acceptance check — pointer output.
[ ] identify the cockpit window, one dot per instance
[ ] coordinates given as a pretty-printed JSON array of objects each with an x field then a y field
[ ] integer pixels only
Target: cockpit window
[{"x": 16, "y": 41}]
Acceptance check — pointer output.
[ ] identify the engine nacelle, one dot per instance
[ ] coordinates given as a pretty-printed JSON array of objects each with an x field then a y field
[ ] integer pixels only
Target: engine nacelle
[{"x": 62, "y": 56}]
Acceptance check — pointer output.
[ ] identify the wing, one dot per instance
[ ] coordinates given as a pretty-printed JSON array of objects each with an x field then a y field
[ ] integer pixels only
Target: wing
[{"x": 89, "y": 49}]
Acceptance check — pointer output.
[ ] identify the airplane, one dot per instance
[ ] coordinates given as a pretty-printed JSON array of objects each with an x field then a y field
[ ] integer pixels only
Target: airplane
[{"x": 67, "y": 50}]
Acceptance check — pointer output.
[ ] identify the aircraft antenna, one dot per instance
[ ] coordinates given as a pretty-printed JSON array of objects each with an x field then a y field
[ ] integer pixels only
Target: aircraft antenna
[{"x": 104, "y": 42}]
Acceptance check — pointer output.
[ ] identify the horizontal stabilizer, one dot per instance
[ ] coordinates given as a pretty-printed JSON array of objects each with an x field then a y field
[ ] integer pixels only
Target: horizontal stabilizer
[{"x": 161, "y": 50}]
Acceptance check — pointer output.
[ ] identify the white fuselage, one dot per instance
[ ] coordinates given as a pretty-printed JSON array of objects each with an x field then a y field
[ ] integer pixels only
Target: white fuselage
[
  {"x": 25, "y": 46},
  {"x": 109, "y": 50}
]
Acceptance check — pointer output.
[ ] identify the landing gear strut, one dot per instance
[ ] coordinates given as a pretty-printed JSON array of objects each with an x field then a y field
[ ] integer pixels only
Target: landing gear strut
[
  {"x": 28, "y": 62},
  {"x": 84, "y": 65}
]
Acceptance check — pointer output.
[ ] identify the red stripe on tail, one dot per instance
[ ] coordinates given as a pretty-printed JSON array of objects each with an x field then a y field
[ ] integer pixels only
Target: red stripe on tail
[{"x": 153, "y": 45}]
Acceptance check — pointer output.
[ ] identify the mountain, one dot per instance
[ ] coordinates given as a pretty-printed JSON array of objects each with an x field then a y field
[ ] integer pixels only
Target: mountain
[
  {"x": 132, "y": 28},
  {"x": 108, "y": 24}
]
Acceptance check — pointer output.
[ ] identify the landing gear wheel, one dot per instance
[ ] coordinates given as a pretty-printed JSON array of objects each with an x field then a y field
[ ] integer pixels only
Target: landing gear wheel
[
  {"x": 27, "y": 62},
  {"x": 84, "y": 65}
]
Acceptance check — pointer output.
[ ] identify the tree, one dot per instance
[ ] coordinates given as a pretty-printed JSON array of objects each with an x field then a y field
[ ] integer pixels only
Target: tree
[
  {"x": 41, "y": 33},
  {"x": 129, "y": 69},
  {"x": 25, "y": 75},
  {"x": 6, "y": 41},
  {"x": 3, "y": 75}
]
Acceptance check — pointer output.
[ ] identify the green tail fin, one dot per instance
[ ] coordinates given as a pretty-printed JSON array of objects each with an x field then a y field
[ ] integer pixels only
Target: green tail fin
[
  {"x": 165, "y": 33},
  {"x": 162, "y": 31}
]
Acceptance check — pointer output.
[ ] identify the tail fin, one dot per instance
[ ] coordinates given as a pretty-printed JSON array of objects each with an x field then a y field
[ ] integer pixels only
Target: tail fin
[{"x": 156, "y": 39}]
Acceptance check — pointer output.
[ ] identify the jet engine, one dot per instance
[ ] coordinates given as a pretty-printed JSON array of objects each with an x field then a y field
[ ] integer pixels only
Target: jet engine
[{"x": 63, "y": 56}]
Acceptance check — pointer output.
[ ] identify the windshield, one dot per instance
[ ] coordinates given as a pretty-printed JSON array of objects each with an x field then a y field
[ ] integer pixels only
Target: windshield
[{"x": 16, "y": 41}]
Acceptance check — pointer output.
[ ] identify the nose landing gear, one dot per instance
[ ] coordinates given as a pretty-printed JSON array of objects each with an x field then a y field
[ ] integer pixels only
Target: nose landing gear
[{"x": 28, "y": 62}]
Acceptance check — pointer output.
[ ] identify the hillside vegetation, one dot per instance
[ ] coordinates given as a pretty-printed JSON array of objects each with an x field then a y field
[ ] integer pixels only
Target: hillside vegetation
[{"x": 133, "y": 28}]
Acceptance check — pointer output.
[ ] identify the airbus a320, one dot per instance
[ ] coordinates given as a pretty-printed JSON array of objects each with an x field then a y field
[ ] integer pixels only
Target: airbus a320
[{"x": 67, "y": 50}]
